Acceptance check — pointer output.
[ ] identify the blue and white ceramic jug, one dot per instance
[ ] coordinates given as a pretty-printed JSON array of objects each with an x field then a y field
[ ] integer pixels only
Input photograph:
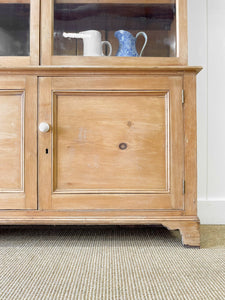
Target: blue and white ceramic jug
[{"x": 127, "y": 43}]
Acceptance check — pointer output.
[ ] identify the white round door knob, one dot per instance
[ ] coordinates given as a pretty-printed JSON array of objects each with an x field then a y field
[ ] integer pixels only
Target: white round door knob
[{"x": 44, "y": 127}]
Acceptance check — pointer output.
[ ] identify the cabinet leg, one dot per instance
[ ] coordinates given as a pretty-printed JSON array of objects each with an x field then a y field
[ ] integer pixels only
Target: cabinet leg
[{"x": 190, "y": 232}]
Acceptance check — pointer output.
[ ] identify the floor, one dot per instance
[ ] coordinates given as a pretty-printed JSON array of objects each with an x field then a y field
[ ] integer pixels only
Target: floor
[{"x": 110, "y": 263}]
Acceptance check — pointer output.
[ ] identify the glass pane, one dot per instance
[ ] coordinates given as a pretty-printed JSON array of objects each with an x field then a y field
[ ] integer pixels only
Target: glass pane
[
  {"x": 14, "y": 29},
  {"x": 118, "y": 24}
]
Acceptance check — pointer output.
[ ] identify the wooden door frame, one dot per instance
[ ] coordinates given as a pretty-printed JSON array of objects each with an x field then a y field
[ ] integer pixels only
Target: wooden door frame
[
  {"x": 47, "y": 40},
  {"x": 33, "y": 58},
  {"x": 48, "y": 85}
]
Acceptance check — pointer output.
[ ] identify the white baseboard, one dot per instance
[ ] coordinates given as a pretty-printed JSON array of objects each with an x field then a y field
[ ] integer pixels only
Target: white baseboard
[{"x": 211, "y": 212}]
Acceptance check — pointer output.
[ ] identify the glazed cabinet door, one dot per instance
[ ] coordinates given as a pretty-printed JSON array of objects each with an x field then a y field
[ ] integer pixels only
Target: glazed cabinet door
[
  {"x": 111, "y": 143},
  {"x": 18, "y": 142},
  {"x": 155, "y": 30},
  {"x": 19, "y": 32}
]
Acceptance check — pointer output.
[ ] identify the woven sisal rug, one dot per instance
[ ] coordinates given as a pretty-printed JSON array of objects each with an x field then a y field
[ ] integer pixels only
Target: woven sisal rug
[{"x": 109, "y": 263}]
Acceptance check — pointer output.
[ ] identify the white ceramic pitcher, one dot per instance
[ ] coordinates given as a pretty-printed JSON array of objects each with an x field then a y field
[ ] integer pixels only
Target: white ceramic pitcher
[{"x": 92, "y": 41}]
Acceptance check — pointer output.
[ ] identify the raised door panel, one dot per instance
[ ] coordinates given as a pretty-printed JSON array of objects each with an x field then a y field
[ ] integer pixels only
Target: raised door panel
[
  {"x": 111, "y": 147},
  {"x": 110, "y": 142},
  {"x": 11, "y": 140},
  {"x": 18, "y": 180}
]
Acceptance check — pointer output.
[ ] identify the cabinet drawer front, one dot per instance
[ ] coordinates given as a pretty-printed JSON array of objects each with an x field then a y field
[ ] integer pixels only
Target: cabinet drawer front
[{"x": 119, "y": 142}]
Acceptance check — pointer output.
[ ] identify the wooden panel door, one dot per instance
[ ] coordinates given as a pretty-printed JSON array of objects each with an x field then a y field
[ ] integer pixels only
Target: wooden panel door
[
  {"x": 113, "y": 143},
  {"x": 18, "y": 142}
]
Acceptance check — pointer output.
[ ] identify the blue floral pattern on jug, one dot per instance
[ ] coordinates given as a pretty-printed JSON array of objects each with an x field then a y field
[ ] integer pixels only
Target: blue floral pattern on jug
[{"x": 127, "y": 43}]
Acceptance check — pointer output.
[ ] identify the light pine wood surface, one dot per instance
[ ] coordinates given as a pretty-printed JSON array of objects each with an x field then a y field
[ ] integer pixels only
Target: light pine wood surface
[
  {"x": 121, "y": 148},
  {"x": 18, "y": 142},
  {"x": 69, "y": 98},
  {"x": 87, "y": 127}
]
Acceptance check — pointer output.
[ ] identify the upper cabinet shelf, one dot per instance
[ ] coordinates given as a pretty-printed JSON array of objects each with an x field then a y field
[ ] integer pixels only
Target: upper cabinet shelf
[
  {"x": 19, "y": 32},
  {"x": 71, "y": 32}
]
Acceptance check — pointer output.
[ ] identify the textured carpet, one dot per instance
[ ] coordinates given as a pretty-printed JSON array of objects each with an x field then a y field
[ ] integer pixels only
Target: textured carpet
[{"x": 110, "y": 263}]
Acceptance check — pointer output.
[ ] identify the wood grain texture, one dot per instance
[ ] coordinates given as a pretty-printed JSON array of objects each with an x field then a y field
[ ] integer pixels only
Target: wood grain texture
[
  {"x": 35, "y": 32},
  {"x": 182, "y": 37},
  {"x": 12, "y": 61},
  {"x": 44, "y": 142},
  {"x": 78, "y": 179},
  {"x": 18, "y": 154},
  {"x": 15, "y": 1},
  {"x": 115, "y": 61},
  {"x": 30, "y": 139},
  {"x": 92, "y": 105},
  {"x": 47, "y": 20},
  {"x": 94, "y": 214},
  {"x": 11, "y": 141},
  {"x": 190, "y": 131},
  {"x": 189, "y": 229},
  {"x": 112, "y": 70},
  {"x": 88, "y": 130}
]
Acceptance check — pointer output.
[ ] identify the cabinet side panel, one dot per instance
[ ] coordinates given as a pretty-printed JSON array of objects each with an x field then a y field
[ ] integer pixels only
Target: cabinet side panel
[{"x": 190, "y": 144}]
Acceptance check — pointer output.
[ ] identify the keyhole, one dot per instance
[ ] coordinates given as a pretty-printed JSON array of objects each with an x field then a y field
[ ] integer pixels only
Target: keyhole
[{"x": 46, "y": 150}]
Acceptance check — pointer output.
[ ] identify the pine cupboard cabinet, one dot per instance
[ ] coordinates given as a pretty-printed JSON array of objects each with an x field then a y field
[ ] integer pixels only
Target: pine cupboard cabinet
[{"x": 98, "y": 139}]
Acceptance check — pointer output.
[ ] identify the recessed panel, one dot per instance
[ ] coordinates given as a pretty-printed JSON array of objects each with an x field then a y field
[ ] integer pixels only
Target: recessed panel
[
  {"x": 11, "y": 141},
  {"x": 110, "y": 142}
]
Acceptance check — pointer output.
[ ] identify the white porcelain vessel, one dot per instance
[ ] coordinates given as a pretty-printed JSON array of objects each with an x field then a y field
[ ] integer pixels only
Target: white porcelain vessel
[{"x": 92, "y": 41}]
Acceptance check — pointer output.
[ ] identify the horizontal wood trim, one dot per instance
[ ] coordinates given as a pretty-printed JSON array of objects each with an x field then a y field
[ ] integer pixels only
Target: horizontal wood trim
[
  {"x": 102, "y": 191},
  {"x": 11, "y": 61},
  {"x": 88, "y": 70},
  {"x": 169, "y": 222},
  {"x": 110, "y": 201},
  {"x": 14, "y": 1},
  {"x": 117, "y": 1},
  {"x": 16, "y": 84},
  {"x": 109, "y": 93},
  {"x": 16, "y": 200},
  {"x": 114, "y": 61},
  {"x": 99, "y": 213},
  {"x": 109, "y": 83}
]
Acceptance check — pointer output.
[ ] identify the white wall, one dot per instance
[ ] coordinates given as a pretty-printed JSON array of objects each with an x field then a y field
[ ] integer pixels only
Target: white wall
[{"x": 206, "y": 30}]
